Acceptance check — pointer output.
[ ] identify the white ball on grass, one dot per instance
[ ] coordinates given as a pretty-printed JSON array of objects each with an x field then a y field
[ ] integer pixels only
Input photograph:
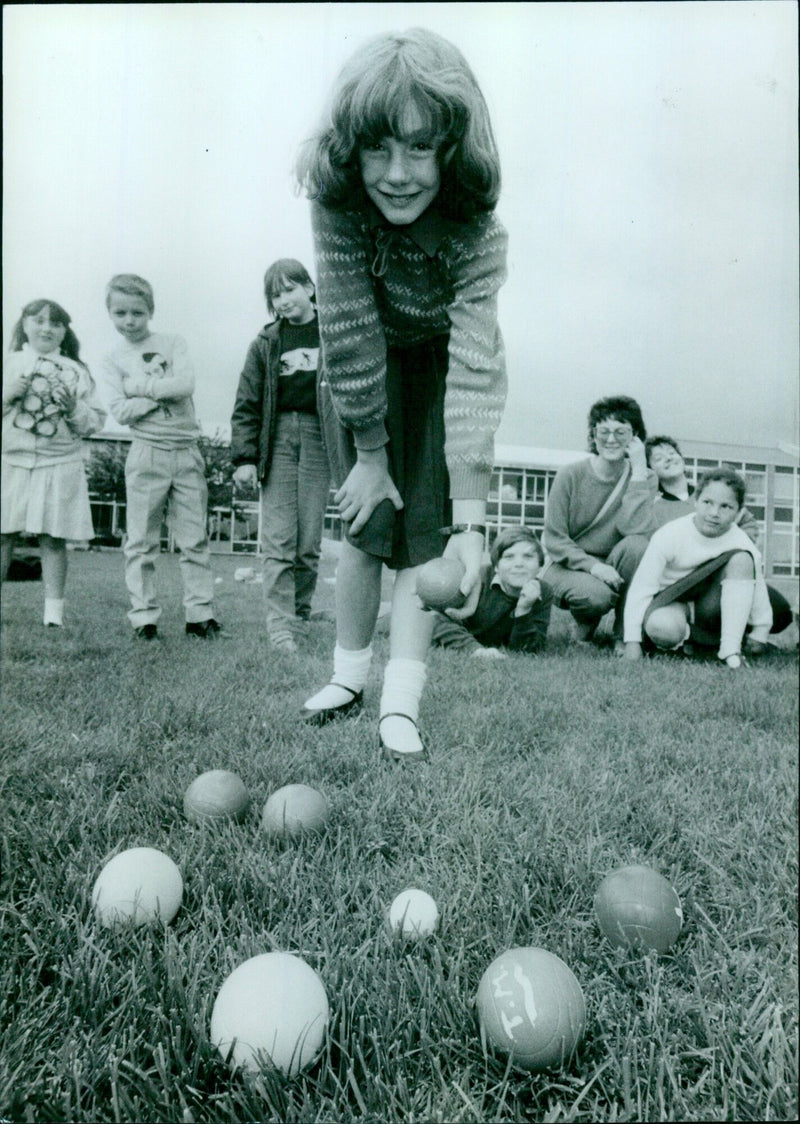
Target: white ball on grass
[
  {"x": 216, "y": 795},
  {"x": 140, "y": 886},
  {"x": 271, "y": 1008},
  {"x": 413, "y": 913},
  {"x": 295, "y": 810}
]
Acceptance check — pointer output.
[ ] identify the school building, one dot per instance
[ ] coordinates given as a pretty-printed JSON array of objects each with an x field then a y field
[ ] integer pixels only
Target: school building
[{"x": 519, "y": 491}]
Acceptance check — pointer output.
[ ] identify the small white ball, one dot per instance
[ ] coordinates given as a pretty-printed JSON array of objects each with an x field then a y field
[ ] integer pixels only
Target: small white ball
[
  {"x": 139, "y": 886},
  {"x": 273, "y": 1005},
  {"x": 414, "y": 913}
]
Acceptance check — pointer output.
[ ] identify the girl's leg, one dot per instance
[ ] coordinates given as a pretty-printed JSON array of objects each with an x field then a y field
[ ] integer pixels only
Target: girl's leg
[
  {"x": 54, "y": 576},
  {"x": 358, "y": 598},
  {"x": 6, "y": 554},
  {"x": 404, "y": 677},
  {"x": 279, "y": 525},
  {"x": 736, "y": 601},
  {"x": 312, "y": 499},
  {"x": 668, "y": 627}
]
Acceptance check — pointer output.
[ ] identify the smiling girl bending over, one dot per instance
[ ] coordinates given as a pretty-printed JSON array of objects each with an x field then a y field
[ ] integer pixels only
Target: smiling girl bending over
[{"x": 404, "y": 176}]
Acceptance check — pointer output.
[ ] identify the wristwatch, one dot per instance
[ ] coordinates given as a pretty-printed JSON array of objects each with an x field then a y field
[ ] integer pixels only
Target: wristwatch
[{"x": 460, "y": 528}]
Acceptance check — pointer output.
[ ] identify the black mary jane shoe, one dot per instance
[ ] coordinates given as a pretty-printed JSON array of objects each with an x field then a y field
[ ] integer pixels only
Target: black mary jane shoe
[
  {"x": 396, "y": 754},
  {"x": 326, "y": 714}
]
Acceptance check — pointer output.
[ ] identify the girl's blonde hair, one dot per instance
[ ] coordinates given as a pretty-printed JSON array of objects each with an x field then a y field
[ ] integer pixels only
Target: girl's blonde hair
[
  {"x": 371, "y": 100},
  {"x": 131, "y": 285}
]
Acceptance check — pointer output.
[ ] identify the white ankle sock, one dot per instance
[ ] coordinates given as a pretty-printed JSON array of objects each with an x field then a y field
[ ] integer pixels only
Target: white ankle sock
[
  {"x": 350, "y": 670},
  {"x": 736, "y": 601},
  {"x": 403, "y": 683},
  {"x": 54, "y": 610}
]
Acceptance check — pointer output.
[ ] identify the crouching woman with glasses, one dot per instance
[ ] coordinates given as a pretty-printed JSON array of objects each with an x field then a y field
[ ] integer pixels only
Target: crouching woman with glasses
[{"x": 599, "y": 519}]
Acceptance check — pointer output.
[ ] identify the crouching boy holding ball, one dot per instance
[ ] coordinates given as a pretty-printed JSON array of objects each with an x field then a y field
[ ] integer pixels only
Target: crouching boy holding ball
[{"x": 513, "y": 609}]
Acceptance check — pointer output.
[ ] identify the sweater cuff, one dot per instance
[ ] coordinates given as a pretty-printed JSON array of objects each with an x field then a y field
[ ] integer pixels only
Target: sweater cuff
[
  {"x": 469, "y": 482},
  {"x": 371, "y": 438}
]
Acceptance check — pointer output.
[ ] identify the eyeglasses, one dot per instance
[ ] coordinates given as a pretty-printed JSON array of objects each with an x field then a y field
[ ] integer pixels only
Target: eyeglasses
[{"x": 613, "y": 434}]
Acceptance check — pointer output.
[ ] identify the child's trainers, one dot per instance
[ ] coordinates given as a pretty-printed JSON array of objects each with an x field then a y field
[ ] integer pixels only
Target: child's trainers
[
  {"x": 206, "y": 630},
  {"x": 146, "y": 632}
]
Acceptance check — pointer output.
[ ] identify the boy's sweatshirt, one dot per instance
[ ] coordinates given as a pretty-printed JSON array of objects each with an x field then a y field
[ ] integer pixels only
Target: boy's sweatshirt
[{"x": 150, "y": 389}]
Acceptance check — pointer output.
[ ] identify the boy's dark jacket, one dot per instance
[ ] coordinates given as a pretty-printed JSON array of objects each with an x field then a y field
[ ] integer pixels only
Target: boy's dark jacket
[
  {"x": 255, "y": 413},
  {"x": 493, "y": 623}
]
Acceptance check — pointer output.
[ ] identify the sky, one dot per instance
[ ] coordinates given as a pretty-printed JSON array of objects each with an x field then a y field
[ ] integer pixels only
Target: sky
[{"x": 650, "y": 171}]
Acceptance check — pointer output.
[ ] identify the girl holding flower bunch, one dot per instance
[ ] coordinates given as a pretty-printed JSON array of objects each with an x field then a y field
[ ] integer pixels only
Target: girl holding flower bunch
[
  {"x": 404, "y": 176},
  {"x": 48, "y": 406}
]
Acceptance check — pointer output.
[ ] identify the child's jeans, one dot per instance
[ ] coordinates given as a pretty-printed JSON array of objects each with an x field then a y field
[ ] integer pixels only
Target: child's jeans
[
  {"x": 174, "y": 479},
  {"x": 293, "y": 501}
]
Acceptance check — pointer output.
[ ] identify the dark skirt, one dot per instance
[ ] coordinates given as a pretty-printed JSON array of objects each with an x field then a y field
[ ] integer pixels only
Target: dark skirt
[
  {"x": 415, "y": 385},
  {"x": 703, "y": 587}
]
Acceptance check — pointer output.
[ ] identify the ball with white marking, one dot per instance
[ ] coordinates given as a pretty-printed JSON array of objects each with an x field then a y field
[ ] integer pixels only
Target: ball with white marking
[
  {"x": 439, "y": 584},
  {"x": 531, "y": 1008},
  {"x": 140, "y": 886},
  {"x": 295, "y": 810},
  {"x": 272, "y": 1009},
  {"x": 636, "y": 906},
  {"x": 216, "y": 795},
  {"x": 414, "y": 914}
]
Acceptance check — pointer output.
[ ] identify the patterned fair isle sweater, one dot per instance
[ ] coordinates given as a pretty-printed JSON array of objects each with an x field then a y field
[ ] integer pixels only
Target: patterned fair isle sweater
[{"x": 380, "y": 285}]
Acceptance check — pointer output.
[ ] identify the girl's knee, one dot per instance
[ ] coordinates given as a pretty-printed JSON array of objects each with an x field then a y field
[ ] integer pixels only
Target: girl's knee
[
  {"x": 740, "y": 565},
  {"x": 666, "y": 628}
]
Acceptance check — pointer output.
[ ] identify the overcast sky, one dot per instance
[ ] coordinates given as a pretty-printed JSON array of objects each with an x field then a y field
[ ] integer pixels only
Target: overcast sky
[{"x": 649, "y": 156}]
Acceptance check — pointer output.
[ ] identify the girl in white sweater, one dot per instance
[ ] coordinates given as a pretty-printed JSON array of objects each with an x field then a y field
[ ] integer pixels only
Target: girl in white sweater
[{"x": 700, "y": 578}]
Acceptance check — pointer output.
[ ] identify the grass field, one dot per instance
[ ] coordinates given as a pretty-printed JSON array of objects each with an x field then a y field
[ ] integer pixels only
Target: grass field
[{"x": 544, "y": 774}]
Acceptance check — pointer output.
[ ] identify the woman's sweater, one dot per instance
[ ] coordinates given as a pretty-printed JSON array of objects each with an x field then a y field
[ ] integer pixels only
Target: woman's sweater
[
  {"x": 382, "y": 286},
  {"x": 576, "y": 496}
]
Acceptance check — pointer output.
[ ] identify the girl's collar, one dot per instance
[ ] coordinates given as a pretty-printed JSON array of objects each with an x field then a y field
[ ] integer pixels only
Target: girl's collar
[{"x": 428, "y": 231}]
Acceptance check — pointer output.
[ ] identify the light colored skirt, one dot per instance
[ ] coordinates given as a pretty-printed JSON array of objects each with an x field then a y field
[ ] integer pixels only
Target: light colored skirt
[{"x": 52, "y": 500}]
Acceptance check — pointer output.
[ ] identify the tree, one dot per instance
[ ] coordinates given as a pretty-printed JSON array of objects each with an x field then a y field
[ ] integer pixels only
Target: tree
[{"x": 105, "y": 470}]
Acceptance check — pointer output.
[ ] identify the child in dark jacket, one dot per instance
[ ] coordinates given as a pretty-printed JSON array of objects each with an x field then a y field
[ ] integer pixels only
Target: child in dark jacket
[
  {"x": 276, "y": 442},
  {"x": 513, "y": 610}
]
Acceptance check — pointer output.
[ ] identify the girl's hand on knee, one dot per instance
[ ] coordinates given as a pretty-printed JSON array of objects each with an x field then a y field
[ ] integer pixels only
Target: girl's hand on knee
[
  {"x": 367, "y": 485},
  {"x": 467, "y": 548},
  {"x": 606, "y": 574},
  {"x": 633, "y": 650}
]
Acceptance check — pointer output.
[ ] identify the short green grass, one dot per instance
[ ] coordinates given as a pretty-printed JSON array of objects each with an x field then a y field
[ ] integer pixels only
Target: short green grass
[{"x": 544, "y": 774}]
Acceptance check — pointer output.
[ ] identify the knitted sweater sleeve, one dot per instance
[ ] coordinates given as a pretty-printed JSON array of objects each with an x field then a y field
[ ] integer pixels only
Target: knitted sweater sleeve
[
  {"x": 476, "y": 376},
  {"x": 352, "y": 339}
]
